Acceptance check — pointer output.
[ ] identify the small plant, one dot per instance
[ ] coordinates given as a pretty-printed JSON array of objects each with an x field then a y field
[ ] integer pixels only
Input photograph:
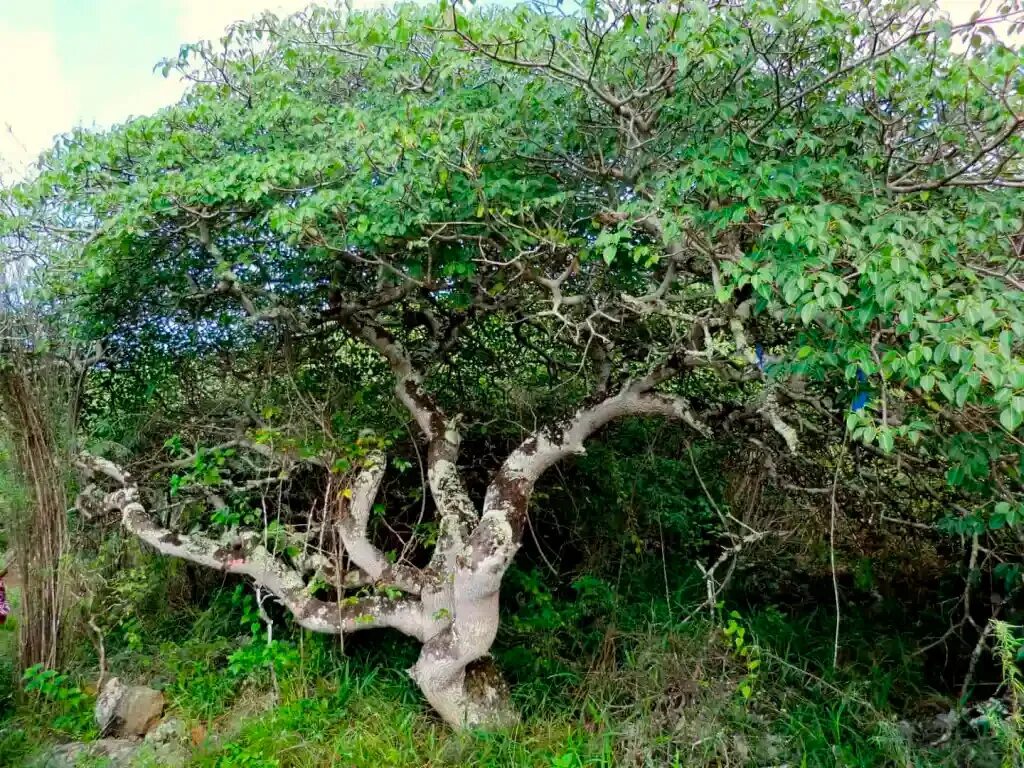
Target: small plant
[
  {"x": 237, "y": 755},
  {"x": 198, "y": 686},
  {"x": 1008, "y": 726},
  {"x": 257, "y": 657},
  {"x": 226, "y": 518},
  {"x": 208, "y": 468},
  {"x": 566, "y": 760},
  {"x": 71, "y": 705},
  {"x": 749, "y": 652},
  {"x": 242, "y": 599}
]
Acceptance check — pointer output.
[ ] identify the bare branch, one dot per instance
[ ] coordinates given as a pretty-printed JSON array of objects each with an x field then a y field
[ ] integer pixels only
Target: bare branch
[
  {"x": 244, "y": 555},
  {"x": 456, "y": 511},
  {"x": 508, "y": 494},
  {"x": 352, "y": 524}
]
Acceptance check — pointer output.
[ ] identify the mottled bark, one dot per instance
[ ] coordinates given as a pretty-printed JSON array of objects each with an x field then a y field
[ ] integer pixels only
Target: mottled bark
[
  {"x": 353, "y": 521},
  {"x": 243, "y": 554},
  {"x": 444, "y": 669}
]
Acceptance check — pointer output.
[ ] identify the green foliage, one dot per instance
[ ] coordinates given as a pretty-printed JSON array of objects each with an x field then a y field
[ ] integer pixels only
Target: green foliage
[
  {"x": 198, "y": 685},
  {"x": 737, "y": 635},
  {"x": 258, "y": 658},
  {"x": 68, "y": 707},
  {"x": 1007, "y": 722},
  {"x": 237, "y": 756},
  {"x": 874, "y": 279},
  {"x": 665, "y": 687}
]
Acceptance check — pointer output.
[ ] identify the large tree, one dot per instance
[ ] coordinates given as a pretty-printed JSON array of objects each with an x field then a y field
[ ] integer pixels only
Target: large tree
[{"x": 749, "y": 217}]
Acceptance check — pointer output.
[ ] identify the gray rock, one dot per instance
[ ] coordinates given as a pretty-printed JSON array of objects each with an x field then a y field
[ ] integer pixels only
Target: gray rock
[
  {"x": 165, "y": 746},
  {"x": 109, "y": 697},
  {"x": 170, "y": 731},
  {"x": 127, "y": 710},
  {"x": 111, "y": 753},
  {"x": 168, "y": 755}
]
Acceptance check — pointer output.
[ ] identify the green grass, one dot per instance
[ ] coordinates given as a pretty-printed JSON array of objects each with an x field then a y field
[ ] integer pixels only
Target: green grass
[{"x": 655, "y": 694}]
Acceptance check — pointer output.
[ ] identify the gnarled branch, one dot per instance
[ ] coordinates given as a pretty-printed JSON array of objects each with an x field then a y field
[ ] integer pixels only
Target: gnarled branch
[
  {"x": 352, "y": 523},
  {"x": 244, "y": 555},
  {"x": 455, "y": 510}
]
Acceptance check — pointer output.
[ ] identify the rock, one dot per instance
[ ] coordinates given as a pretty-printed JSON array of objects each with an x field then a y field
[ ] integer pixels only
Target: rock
[
  {"x": 139, "y": 710},
  {"x": 169, "y": 731},
  {"x": 113, "y": 753},
  {"x": 166, "y": 745},
  {"x": 106, "y": 703},
  {"x": 165, "y": 749},
  {"x": 127, "y": 710},
  {"x": 162, "y": 755}
]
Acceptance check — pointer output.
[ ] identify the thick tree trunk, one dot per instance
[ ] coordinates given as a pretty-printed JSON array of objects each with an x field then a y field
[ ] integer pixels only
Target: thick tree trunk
[
  {"x": 454, "y": 669},
  {"x": 456, "y": 674}
]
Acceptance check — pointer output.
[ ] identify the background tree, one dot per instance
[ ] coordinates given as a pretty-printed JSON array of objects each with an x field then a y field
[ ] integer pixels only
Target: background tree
[
  {"x": 40, "y": 391},
  {"x": 760, "y": 220}
]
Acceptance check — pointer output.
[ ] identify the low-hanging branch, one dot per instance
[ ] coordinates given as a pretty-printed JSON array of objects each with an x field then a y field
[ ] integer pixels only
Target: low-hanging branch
[{"x": 245, "y": 555}]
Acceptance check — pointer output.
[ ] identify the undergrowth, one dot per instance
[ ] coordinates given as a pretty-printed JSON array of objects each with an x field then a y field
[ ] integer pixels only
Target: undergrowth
[{"x": 630, "y": 687}]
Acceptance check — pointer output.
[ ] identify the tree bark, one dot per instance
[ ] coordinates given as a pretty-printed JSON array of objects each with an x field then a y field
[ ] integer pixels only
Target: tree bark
[{"x": 453, "y": 670}]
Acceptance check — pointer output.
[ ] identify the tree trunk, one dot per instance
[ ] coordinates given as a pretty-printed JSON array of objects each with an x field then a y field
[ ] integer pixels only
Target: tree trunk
[{"x": 455, "y": 672}]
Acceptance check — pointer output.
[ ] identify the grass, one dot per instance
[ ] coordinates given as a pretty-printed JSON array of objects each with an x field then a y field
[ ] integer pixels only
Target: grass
[{"x": 656, "y": 694}]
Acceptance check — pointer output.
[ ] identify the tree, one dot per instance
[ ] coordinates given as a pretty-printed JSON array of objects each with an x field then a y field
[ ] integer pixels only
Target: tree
[{"x": 751, "y": 218}]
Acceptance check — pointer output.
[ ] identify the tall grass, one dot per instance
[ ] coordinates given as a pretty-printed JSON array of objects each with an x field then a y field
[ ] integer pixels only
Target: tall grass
[{"x": 36, "y": 421}]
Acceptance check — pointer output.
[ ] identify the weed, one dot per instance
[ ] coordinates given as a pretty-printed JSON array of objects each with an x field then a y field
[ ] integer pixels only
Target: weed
[{"x": 68, "y": 707}]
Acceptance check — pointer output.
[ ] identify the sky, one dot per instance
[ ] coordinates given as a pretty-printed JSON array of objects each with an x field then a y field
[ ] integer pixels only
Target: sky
[{"x": 67, "y": 63}]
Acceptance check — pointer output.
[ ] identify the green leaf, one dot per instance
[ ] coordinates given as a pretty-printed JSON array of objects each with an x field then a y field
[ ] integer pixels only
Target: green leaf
[
  {"x": 961, "y": 394},
  {"x": 1010, "y": 419},
  {"x": 886, "y": 440}
]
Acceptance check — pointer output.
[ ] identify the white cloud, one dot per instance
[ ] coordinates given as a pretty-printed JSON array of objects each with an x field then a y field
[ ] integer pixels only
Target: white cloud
[
  {"x": 35, "y": 101},
  {"x": 959, "y": 10},
  {"x": 207, "y": 19},
  {"x": 122, "y": 103},
  {"x": 38, "y": 102}
]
